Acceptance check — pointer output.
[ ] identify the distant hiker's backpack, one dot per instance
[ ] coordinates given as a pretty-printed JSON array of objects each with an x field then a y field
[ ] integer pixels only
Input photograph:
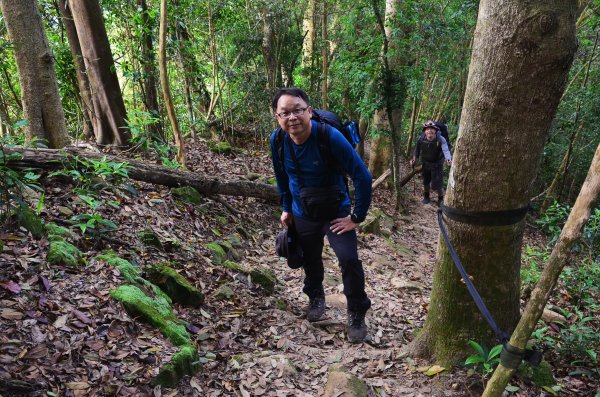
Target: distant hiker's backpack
[
  {"x": 444, "y": 131},
  {"x": 349, "y": 130}
]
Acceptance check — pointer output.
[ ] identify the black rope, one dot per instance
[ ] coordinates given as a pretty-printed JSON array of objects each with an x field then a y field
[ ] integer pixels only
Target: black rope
[
  {"x": 486, "y": 218},
  {"x": 511, "y": 356}
]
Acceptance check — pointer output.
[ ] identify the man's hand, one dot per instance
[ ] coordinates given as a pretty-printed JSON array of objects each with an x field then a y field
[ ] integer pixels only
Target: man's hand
[
  {"x": 286, "y": 218},
  {"x": 343, "y": 225},
  {"x": 412, "y": 161},
  {"x": 448, "y": 163}
]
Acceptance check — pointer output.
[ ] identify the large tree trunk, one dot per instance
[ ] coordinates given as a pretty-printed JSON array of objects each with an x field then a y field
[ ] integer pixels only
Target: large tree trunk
[
  {"x": 142, "y": 171},
  {"x": 268, "y": 49},
  {"x": 164, "y": 82},
  {"x": 82, "y": 78},
  {"x": 510, "y": 102},
  {"x": 109, "y": 116},
  {"x": 39, "y": 89},
  {"x": 150, "y": 91},
  {"x": 308, "y": 45}
]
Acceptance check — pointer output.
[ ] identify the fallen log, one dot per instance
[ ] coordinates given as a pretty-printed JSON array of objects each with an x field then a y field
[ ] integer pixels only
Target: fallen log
[
  {"x": 405, "y": 179},
  {"x": 53, "y": 159}
]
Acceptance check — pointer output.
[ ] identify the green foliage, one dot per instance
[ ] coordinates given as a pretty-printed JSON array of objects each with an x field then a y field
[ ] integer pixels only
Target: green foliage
[
  {"x": 533, "y": 259},
  {"x": 484, "y": 361},
  {"x": 553, "y": 220},
  {"x": 14, "y": 182},
  {"x": 91, "y": 176}
]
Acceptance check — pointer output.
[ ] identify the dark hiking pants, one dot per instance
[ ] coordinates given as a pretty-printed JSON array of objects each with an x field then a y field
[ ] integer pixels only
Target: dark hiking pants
[
  {"x": 433, "y": 173},
  {"x": 344, "y": 245}
]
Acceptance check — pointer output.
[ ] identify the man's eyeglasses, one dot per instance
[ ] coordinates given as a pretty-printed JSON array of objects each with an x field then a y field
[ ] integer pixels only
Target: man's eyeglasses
[{"x": 287, "y": 115}]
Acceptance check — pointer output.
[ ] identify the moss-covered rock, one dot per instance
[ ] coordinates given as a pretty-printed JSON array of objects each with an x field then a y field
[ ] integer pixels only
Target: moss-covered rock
[
  {"x": 231, "y": 252},
  {"x": 235, "y": 240},
  {"x": 175, "y": 285},
  {"x": 265, "y": 278},
  {"x": 153, "y": 311},
  {"x": 371, "y": 225},
  {"x": 540, "y": 375},
  {"x": 220, "y": 147},
  {"x": 61, "y": 252},
  {"x": 187, "y": 194},
  {"x": 128, "y": 271},
  {"x": 234, "y": 266},
  {"x": 339, "y": 380},
  {"x": 183, "y": 363},
  {"x": 54, "y": 230},
  {"x": 27, "y": 218},
  {"x": 224, "y": 292},
  {"x": 218, "y": 253},
  {"x": 150, "y": 239}
]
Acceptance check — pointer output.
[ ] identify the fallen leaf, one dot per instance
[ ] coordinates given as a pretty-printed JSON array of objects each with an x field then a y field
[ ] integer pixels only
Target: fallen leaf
[
  {"x": 434, "y": 370},
  {"x": 61, "y": 321},
  {"x": 82, "y": 317},
  {"x": 11, "y": 286},
  {"x": 10, "y": 314},
  {"x": 77, "y": 385},
  {"x": 38, "y": 351}
]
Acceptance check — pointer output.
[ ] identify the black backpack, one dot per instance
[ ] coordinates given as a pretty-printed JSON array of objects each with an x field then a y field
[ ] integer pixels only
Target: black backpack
[
  {"x": 349, "y": 129},
  {"x": 444, "y": 131}
]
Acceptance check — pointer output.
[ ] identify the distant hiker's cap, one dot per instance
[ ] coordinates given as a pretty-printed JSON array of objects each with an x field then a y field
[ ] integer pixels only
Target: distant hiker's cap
[
  {"x": 430, "y": 124},
  {"x": 287, "y": 246}
]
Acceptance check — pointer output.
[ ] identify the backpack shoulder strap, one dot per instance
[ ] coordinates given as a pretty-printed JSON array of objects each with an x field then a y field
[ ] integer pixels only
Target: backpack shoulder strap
[
  {"x": 279, "y": 139},
  {"x": 324, "y": 141}
]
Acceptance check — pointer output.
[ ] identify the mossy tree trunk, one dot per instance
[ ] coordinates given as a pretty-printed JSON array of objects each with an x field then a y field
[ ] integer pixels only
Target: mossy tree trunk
[
  {"x": 509, "y": 104},
  {"x": 39, "y": 88}
]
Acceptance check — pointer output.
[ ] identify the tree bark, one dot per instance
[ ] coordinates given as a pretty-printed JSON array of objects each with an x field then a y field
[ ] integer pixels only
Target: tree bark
[
  {"x": 141, "y": 171},
  {"x": 571, "y": 232},
  {"x": 39, "y": 89},
  {"x": 83, "y": 82},
  {"x": 509, "y": 105},
  {"x": 308, "y": 45},
  {"x": 164, "y": 82},
  {"x": 109, "y": 116},
  {"x": 268, "y": 49}
]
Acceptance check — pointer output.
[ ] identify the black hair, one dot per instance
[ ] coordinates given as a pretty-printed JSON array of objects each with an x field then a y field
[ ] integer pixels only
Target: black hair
[{"x": 291, "y": 91}]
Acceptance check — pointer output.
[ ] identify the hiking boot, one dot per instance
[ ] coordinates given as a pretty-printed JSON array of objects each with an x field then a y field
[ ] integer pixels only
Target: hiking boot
[
  {"x": 357, "y": 329},
  {"x": 316, "y": 309},
  {"x": 440, "y": 201},
  {"x": 426, "y": 199}
]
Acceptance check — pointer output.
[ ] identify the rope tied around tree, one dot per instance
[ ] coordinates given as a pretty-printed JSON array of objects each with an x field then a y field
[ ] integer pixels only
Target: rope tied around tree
[{"x": 511, "y": 356}]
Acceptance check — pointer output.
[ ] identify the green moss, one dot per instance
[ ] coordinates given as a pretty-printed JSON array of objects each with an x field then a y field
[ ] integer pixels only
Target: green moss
[
  {"x": 265, "y": 278},
  {"x": 54, "y": 230},
  {"x": 153, "y": 311},
  {"x": 234, "y": 266},
  {"x": 272, "y": 181},
  {"x": 357, "y": 386},
  {"x": 128, "y": 271},
  {"x": 224, "y": 292},
  {"x": 540, "y": 375},
  {"x": 183, "y": 363},
  {"x": 218, "y": 253},
  {"x": 222, "y": 220},
  {"x": 187, "y": 194},
  {"x": 150, "y": 239},
  {"x": 175, "y": 285},
  {"x": 63, "y": 252},
  {"x": 27, "y": 218},
  {"x": 220, "y": 147},
  {"x": 235, "y": 241},
  {"x": 280, "y": 304}
]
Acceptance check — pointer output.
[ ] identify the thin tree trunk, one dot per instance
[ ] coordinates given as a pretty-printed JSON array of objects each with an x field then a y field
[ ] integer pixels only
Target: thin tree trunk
[
  {"x": 411, "y": 129},
  {"x": 571, "y": 232},
  {"x": 308, "y": 45},
  {"x": 185, "y": 64},
  {"x": 39, "y": 88},
  {"x": 324, "y": 57},
  {"x": 500, "y": 142},
  {"x": 109, "y": 117},
  {"x": 150, "y": 91},
  {"x": 83, "y": 82},
  {"x": 164, "y": 82}
]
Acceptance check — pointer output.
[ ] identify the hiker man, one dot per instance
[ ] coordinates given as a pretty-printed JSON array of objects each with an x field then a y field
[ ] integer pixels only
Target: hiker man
[
  {"x": 315, "y": 199},
  {"x": 433, "y": 149}
]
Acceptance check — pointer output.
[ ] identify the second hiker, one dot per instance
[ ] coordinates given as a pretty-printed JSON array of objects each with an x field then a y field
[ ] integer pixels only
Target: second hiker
[
  {"x": 315, "y": 199},
  {"x": 432, "y": 147}
]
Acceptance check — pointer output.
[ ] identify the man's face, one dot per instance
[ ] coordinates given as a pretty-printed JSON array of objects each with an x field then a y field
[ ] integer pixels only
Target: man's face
[
  {"x": 297, "y": 125},
  {"x": 430, "y": 133}
]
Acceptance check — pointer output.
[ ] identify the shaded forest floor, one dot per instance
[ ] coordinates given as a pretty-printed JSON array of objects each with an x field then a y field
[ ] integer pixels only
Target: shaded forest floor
[{"x": 63, "y": 334}]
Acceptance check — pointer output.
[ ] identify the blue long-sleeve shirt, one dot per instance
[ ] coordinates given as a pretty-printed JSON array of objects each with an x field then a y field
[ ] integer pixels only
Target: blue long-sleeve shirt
[{"x": 315, "y": 172}]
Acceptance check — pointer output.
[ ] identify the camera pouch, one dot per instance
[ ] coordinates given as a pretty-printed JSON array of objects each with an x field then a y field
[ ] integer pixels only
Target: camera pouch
[{"x": 321, "y": 203}]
